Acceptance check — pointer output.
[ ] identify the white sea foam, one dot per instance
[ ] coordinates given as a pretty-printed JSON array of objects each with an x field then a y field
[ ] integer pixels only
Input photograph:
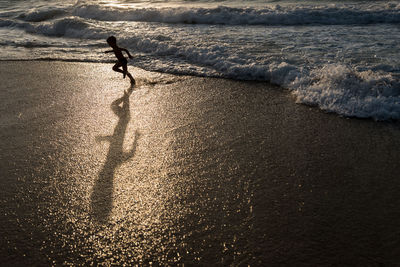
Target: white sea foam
[{"x": 338, "y": 88}]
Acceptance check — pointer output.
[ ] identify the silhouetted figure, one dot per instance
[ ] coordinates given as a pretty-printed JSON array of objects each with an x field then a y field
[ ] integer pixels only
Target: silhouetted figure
[
  {"x": 102, "y": 195},
  {"x": 122, "y": 62}
]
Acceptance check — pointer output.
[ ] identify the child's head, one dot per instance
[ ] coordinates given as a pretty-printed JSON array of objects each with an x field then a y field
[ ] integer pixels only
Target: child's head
[{"x": 112, "y": 40}]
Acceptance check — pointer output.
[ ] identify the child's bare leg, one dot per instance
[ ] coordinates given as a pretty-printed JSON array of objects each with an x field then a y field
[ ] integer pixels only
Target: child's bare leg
[
  {"x": 116, "y": 67},
  {"x": 125, "y": 68}
]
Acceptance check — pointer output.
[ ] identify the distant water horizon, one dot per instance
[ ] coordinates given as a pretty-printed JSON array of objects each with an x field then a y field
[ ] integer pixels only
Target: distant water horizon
[{"x": 341, "y": 56}]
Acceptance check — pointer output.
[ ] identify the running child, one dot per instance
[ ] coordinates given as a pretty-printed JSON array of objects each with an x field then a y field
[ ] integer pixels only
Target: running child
[{"x": 122, "y": 62}]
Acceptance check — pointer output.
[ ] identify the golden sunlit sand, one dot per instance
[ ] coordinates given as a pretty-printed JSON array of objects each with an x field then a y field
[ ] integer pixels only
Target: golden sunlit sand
[{"x": 184, "y": 170}]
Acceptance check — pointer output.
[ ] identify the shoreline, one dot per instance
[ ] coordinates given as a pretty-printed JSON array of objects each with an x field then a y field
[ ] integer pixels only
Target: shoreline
[
  {"x": 187, "y": 170},
  {"x": 283, "y": 89}
]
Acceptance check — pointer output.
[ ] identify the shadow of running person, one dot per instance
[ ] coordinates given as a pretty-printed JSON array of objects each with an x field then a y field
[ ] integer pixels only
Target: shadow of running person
[{"x": 102, "y": 194}]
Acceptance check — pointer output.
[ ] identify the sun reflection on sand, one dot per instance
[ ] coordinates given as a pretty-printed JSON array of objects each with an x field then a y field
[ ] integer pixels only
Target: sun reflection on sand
[{"x": 131, "y": 199}]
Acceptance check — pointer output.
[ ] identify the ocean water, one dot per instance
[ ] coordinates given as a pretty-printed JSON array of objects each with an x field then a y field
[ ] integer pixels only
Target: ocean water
[{"x": 342, "y": 56}]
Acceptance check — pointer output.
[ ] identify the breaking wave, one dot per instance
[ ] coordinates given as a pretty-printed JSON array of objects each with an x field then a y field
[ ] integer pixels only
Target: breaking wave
[{"x": 42, "y": 15}]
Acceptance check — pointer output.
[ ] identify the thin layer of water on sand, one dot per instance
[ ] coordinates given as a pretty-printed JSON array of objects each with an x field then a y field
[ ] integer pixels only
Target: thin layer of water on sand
[{"x": 187, "y": 170}]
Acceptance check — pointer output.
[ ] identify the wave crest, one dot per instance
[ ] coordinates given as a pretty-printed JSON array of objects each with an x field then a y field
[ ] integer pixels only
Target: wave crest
[
  {"x": 42, "y": 15},
  {"x": 71, "y": 27}
]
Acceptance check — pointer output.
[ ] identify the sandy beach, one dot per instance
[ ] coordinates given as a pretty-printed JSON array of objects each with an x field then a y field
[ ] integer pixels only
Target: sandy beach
[{"x": 187, "y": 170}]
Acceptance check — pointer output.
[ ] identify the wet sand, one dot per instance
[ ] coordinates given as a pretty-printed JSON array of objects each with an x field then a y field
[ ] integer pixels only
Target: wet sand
[{"x": 186, "y": 170}]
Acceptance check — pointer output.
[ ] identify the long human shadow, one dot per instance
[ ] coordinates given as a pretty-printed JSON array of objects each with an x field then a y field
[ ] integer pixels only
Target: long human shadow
[{"x": 102, "y": 194}]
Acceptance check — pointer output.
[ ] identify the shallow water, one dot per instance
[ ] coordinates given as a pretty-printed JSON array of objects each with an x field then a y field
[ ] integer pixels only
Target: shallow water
[{"x": 339, "y": 55}]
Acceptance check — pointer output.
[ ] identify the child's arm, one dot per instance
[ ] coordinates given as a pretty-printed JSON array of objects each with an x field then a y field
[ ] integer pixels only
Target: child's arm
[{"x": 126, "y": 50}]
